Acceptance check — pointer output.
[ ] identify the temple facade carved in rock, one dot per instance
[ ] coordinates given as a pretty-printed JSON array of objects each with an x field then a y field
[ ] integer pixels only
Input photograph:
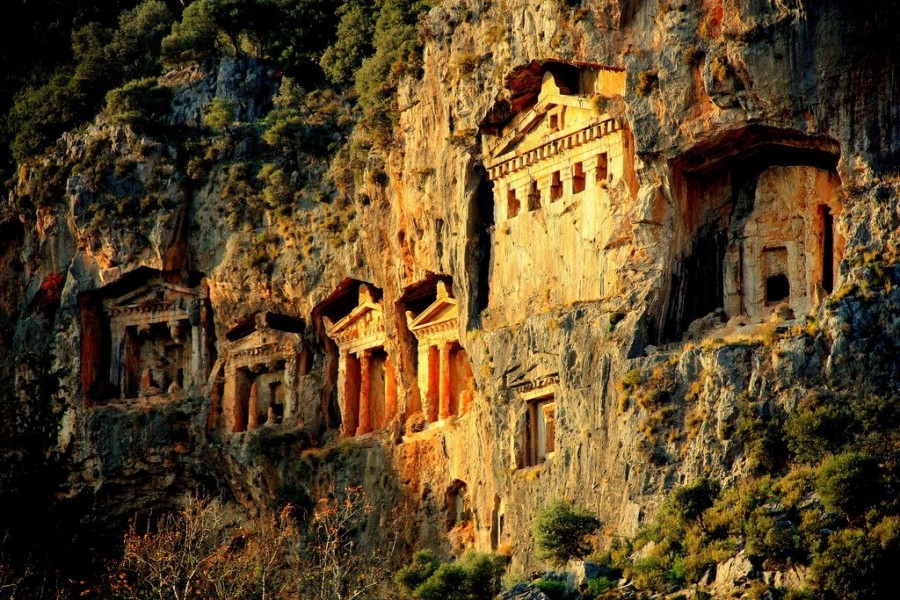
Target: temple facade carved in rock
[
  {"x": 367, "y": 383},
  {"x": 446, "y": 382},
  {"x": 264, "y": 360},
  {"x": 560, "y": 159},
  {"x": 146, "y": 335}
]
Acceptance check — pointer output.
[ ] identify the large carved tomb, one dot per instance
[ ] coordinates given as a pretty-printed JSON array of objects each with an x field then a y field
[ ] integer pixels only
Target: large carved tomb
[
  {"x": 146, "y": 335},
  {"x": 560, "y": 159},
  {"x": 788, "y": 251},
  {"x": 445, "y": 378},
  {"x": 367, "y": 383},
  {"x": 264, "y": 359},
  {"x": 758, "y": 229}
]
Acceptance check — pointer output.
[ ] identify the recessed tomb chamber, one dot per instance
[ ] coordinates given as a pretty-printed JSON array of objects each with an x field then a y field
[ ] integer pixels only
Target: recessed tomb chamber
[
  {"x": 146, "y": 335},
  {"x": 265, "y": 357},
  {"x": 444, "y": 375}
]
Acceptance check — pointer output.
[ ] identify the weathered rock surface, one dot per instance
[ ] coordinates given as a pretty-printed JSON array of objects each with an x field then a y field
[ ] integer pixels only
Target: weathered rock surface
[{"x": 723, "y": 102}]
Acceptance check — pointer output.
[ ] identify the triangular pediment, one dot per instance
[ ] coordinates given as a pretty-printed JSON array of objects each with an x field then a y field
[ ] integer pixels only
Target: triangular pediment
[
  {"x": 364, "y": 314},
  {"x": 263, "y": 346},
  {"x": 530, "y": 129},
  {"x": 542, "y": 368},
  {"x": 441, "y": 311}
]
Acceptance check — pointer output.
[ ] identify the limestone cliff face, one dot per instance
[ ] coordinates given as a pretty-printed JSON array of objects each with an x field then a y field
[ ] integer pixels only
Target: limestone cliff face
[{"x": 643, "y": 326}]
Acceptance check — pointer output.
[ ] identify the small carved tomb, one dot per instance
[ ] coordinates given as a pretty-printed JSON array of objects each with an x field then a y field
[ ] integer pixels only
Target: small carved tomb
[
  {"x": 367, "y": 384},
  {"x": 445, "y": 378},
  {"x": 264, "y": 359},
  {"x": 145, "y": 336},
  {"x": 534, "y": 390}
]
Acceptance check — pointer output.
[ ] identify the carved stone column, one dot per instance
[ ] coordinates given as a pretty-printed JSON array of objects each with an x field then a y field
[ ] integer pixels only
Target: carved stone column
[
  {"x": 365, "y": 389},
  {"x": 445, "y": 381},
  {"x": 390, "y": 391},
  {"x": 117, "y": 359},
  {"x": 253, "y": 407},
  {"x": 346, "y": 388}
]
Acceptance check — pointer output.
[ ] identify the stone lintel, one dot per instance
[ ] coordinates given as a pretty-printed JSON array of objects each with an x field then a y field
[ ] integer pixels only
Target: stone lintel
[
  {"x": 535, "y": 388},
  {"x": 248, "y": 357}
]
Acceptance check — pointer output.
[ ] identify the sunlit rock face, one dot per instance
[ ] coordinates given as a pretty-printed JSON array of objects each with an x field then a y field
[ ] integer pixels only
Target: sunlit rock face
[{"x": 573, "y": 195}]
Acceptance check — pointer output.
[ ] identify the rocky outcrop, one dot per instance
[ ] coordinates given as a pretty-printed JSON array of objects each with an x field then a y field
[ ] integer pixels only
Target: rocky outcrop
[{"x": 729, "y": 109}]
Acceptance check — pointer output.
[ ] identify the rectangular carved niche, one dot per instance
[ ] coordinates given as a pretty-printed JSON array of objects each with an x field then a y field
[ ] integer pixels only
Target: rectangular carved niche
[{"x": 540, "y": 429}]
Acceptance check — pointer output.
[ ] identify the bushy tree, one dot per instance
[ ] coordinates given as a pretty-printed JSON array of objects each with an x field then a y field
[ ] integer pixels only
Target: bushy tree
[
  {"x": 859, "y": 565},
  {"x": 688, "y": 502},
  {"x": 141, "y": 102},
  {"x": 562, "y": 532},
  {"x": 849, "y": 484},
  {"x": 475, "y": 576},
  {"x": 353, "y": 42},
  {"x": 193, "y": 39},
  {"x": 816, "y": 431}
]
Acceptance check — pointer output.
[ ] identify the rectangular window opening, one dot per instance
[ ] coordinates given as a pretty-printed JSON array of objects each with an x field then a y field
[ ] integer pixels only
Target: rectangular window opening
[
  {"x": 555, "y": 187},
  {"x": 534, "y": 196},
  {"x": 540, "y": 430},
  {"x": 602, "y": 168},
  {"x": 578, "y": 179},
  {"x": 512, "y": 204}
]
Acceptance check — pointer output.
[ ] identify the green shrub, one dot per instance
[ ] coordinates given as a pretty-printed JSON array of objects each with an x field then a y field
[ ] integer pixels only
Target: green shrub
[
  {"x": 423, "y": 566},
  {"x": 598, "y": 587},
  {"x": 688, "y": 502},
  {"x": 475, "y": 576},
  {"x": 858, "y": 565},
  {"x": 648, "y": 81},
  {"x": 816, "y": 431},
  {"x": 561, "y": 532},
  {"x": 219, "y": 114},
  {"x": 141, "y": 102},
  {"x": 554, "y": 589},
  {"x": 849, "y": 484}
]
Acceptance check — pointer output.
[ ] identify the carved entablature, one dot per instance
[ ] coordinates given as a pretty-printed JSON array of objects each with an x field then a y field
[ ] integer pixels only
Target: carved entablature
[
  {"x": 157, "y": 302},
  {"x": 539, "y": 377},
  {"x": 362, "y": 329},
  {"x": 265, "y": 344},
  {"x": 439, "y": 322}
]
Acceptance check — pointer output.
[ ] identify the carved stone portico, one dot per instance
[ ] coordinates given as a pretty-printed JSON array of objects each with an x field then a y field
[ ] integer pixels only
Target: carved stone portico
[
  {"x": 264, "y": 360},
  {"x": 445, "y": 376},
  {"x": 145, "y": 336},
  {"x": 367, "y": 383}
]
